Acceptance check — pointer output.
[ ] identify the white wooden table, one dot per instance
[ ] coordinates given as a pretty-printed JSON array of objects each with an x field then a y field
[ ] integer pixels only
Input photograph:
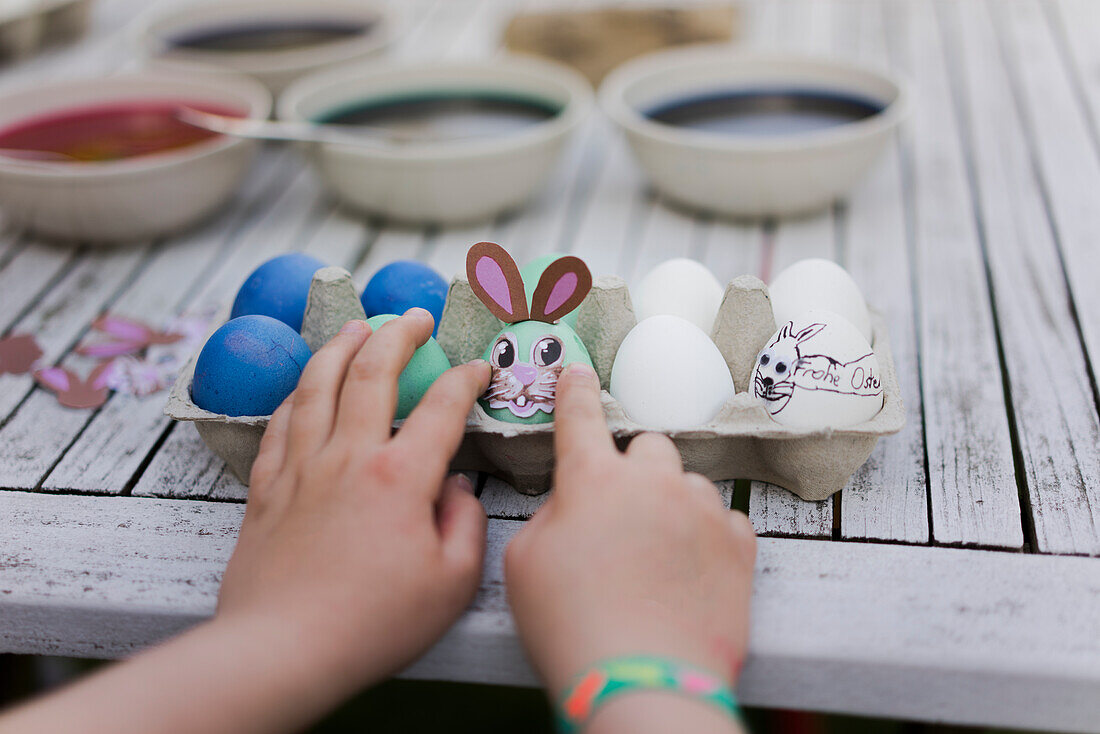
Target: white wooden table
[{"x": 955, "y": 579}]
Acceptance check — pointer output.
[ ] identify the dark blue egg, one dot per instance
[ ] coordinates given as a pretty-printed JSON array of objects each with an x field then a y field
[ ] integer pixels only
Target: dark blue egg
[
  {"x": 403, "y": 285},
  {"x": 279, "y": 288},
  {"x": 248, "y": 367}
]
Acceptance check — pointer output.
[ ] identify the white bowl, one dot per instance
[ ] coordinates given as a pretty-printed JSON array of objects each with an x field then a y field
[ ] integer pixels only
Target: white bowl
[
  {"x": 152, "y": 35},
  {"x": 131, "y": 198},
  {"x": 442, "y": 182},
  {"x": 749, "y": 175}
]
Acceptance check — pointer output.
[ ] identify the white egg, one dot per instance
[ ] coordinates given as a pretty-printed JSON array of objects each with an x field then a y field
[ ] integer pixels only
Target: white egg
[
  {"x": 668, "y": 375},
  {"x": 817, "y": 283},
  {"x": 679, "y": 287},
  {"x": 817, "y": 371}
]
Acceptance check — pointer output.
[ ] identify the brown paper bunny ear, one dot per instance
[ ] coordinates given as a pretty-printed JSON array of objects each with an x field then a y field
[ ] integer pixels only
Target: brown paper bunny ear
[
  {"x": 562, "y": 287},
  {"x": 495, "y": 279}
]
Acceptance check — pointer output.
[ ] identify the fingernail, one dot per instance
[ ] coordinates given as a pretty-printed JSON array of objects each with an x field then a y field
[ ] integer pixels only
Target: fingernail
[
  {"x": 579, "y": 370},
  {"x": 476, "y": 362},
  {"x": 354, "y": 326},
  {"x": 463, "y": 482}
]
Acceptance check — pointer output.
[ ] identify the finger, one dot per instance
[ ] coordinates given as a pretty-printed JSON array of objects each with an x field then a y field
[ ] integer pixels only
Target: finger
[
  {"x": 318, "y": 390},
  {"x": 461, "y": 521},
  {"x": 436, "y": 427},
  {"x": 706, "y": 489},
  {"x": 656, "y": 450},
  {"x": 580, "y": 430},
  {"x": 272, "y": 454},
  {"x": 368, "y": 400},
  {"x": 746, "y": 535}
]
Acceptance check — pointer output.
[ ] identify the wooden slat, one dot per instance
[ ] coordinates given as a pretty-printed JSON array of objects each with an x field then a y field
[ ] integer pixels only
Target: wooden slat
[
  {"x": 29, "y": 272},
  {"x": 666, "y": 233},
  {"x": 1064, "y": 144},
  {"x": 887, "y": 498},
  {"x": 973, "y": 484},
  {"x": 608, "y": 226},
  {"x": 183, "y": 467},
  {"x": 1056, "y": 420},
  {"x": 804, "y": 27},
  {"x": 1013, "y": 640},
  {"x": 58, "y": 320},
  {"x": 502, "y": 501}
]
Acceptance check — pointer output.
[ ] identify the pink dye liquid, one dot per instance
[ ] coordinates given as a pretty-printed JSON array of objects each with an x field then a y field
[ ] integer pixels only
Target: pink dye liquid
[{"x": 112, "y": 131}]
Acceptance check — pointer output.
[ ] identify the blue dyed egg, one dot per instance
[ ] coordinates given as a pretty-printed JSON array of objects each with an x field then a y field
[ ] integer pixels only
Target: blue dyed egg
[
  {"x": 403, "y": 285},
  {"x": 427, "y": 364},
  {"x": 279, "y": 288},
  {"x": 248, "y": 367}
]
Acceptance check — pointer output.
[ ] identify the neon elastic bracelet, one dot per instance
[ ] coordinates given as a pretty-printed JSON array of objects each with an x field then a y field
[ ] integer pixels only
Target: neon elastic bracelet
[{"x": 617, "y": 676}]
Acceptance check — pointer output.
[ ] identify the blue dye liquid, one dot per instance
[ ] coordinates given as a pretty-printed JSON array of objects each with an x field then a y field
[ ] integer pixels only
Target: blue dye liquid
[{"x": 764, "y": 112}]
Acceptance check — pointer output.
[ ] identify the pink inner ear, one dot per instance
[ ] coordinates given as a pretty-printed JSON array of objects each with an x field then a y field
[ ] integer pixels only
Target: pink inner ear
[
  {"x": 561, "y": 292},
  {"x": 491, "y": 277},
  {"x": 122, "y": 328},
  {"x": 55, "y": 377}
]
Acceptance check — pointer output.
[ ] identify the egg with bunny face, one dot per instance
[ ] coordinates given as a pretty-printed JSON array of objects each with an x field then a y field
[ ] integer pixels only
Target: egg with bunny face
[
  {"x": 537, "y": 342},
  {"x": 818, "y": 371}
]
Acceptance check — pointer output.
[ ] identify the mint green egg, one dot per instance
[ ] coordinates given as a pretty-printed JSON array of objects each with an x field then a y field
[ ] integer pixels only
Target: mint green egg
[
  {"x": 526, "y": 359},
  {"x": 532, "y": 271},
  {"x": 425, "y": 367}
]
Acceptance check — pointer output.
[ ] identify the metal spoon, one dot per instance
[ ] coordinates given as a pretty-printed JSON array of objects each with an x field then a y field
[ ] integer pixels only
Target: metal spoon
[{"x": 305, "y": 132}]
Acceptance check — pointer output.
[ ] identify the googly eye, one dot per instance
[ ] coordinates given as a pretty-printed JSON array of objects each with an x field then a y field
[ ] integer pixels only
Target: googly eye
[
  {"x": 780, "y": 367},
  {"x": 765, "y": 358},
  {"x": 504, "y": 352},
  {"x": 547, "y": 352}
]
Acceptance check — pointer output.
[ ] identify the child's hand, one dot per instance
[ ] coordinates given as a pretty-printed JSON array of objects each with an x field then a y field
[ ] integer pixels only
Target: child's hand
[
  {"x": 630, "y": 555},
  {"x": 353, "y": 543}
]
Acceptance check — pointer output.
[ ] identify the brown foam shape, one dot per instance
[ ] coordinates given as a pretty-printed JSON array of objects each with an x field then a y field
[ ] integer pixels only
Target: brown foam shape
[
  {"x": 741, "y": 442},
  {"x": 516, "y": 293},
  {"x": 554, "y": 272}
]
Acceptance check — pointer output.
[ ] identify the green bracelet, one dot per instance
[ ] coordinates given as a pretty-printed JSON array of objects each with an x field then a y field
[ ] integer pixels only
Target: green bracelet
[{"x": 639, "y": 673}]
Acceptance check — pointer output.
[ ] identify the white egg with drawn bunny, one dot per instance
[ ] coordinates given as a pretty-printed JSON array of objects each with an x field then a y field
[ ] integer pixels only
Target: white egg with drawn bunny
[{"x": 818, "y": 371}]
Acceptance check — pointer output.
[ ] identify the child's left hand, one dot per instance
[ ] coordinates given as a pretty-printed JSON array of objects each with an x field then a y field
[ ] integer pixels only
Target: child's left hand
[{"x": 354, "y": 543}]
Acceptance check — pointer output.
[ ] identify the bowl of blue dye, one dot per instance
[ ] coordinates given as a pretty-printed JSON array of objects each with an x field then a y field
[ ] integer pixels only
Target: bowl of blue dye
[
  {"x": 440, "y": 143},
  {"x": 753, "y": 134},
  {"x": 274, "y": 41}
]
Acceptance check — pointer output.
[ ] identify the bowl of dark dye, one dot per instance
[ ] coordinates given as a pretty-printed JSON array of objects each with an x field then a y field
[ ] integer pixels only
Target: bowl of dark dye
[
  {"x": 440, "y": 143},
  {"x": 106, "y": 160},
  {"x": 752, "y": 134},
  {"x": 275, "y": 41}
]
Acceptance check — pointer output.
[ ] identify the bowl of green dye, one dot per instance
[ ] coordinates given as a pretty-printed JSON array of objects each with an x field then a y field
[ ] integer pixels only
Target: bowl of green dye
[{"x": 434, "y": 143}]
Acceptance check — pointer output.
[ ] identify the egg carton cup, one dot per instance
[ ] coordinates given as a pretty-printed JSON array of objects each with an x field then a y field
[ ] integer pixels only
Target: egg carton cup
[
  {"x": 741, "y": 442},
  {"x": 27, "y": 25}
]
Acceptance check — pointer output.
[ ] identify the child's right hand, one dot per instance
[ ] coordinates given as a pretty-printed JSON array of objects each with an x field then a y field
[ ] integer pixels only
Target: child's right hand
[{"x": 629, "y": 556}]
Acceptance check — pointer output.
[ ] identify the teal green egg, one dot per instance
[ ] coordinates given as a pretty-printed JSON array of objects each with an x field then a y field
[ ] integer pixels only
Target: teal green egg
[
  {"x": 425, "y": 367},
  {"x": 525, "y": 372},
  {"x": 532, "y": 271}
]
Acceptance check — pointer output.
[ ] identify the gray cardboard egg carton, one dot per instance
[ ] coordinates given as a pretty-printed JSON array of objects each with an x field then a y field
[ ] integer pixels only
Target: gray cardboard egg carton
[
  {"x": 741, "y": 442},
  {"x": 26, "y": 27}
]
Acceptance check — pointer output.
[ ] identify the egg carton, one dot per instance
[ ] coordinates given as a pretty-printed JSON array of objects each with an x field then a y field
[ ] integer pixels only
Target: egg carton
[
  {"x": 741, "y": 442},
  {"x": 26, "y": 25}
]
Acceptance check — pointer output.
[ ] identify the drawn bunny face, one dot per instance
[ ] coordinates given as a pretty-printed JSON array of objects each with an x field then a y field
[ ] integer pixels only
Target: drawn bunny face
[
  {"x": 773, "y": 378},
  {"x": 530, "y": 352}
]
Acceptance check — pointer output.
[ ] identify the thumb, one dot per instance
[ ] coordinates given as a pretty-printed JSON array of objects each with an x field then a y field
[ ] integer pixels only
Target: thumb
[{"x": 461, "y": 521}]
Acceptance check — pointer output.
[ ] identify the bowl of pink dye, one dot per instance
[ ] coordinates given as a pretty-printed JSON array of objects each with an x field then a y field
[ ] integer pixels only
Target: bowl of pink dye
[{"x": 108, "y": 160}]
